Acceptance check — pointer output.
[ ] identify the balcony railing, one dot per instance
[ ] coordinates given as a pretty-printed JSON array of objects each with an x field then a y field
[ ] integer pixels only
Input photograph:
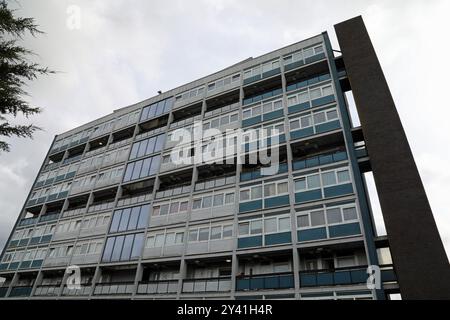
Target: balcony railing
[
  {"x": 20, "y": 291},
  {"x": 47, "y": 290},
  {"x": 185, "y": 122},
  {"x": 114, "y": 288},
  {"x": 151, "y": 132},
  {"x": 3, "y": 291},
  {"x": 173, "y": 192},
  {"x": 134, "y": 200},
  {"x": 28, "y": 221},
  {"x": 84, "y": 290},
  {"x": 221, "y": 284},
  {"x": 74, "y": 212},
  {"x": 158, "y": 287},
  {"x": 215, "y": 183},
  {"x": 338, "y": 276},
  {"x": 319, "y": 160},
  {"x": 49, "y": 217},
  {"x": 283, "y": 280},
  {"x": 101, "y": 206}
]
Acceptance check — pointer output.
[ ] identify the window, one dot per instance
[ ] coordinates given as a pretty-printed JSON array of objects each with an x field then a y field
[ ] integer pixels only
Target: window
[
  {"x": 147, "y": 146},
  {"x": 317, "y": 218},
  {"x": 142, "y": 168},
  {"x": 123, "y": 248},
  {"x": 330, "y": 216},
  {"x": 156, "y": 109},
  {"x": 263, "y": 108},
  {"x": 130, "y": 219},
  {"x": 334, "y": 215}
]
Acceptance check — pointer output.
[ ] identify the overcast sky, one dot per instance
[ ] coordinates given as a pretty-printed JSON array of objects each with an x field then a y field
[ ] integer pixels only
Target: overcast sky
[{"x": 125, "y": 51}]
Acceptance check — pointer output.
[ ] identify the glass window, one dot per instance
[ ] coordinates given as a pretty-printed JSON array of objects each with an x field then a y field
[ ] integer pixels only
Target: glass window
[
  {"x": 315, "y": 93},
  {"x": 284, "y": 224},
  {"x": 303, "y": 221},
  {"x": 350, "y": 214},
  {"x": 332, "y": 114},
  {"x": 313, "y": 181},
  {"x": 300, "y": 184},
  {"x": 343, "y": 176},
  {"x": 256, "y": 111},
  {"x": 282, "y": 187},
  {"x": 197, "y": 204},
  {"x": 227, "y": 231},
  {"x": 256, "y": 227},
  {"x": 305, "y": 121},
  {"x": 278, "y": 105},
  {"x": 164, "y": 210},
  {"x": 244, "y": 195},
  {"x": 159, "y": 240},
  {"x": 207, "y": 202},
  {"x": 137, "y": 246},
  {"x": 329, "y": 178},
  {"x": 174, "y": 207},
  {"x": 270, "y": 225},
  {"x": 117, "y": 248},
  {"x": 115, "y": 222},
  {"x": 308, "y": 52},
  {"x": 179, "y": 237},
  {"x": 234, "y": 117},
  {"x": 218, "y": 200},
  {"x": 127, "y": 246},
  {"x": 193, "y": 235},
  {"x": 229, "y": 198},
  {"x": 334, "y": 215},
  {"x": 170, "y": 239},
  {"x": 267, "y": 107},
  {"x": 247, "y": 113},
  {"x": 244, "y": 228},
  {"x": 143, "y": 216},
  {"x": 319, "y": 117},
  {"x": 184, "y": 206},
  {"x": 256, "y": 192},
  {"x": 303, "y": 97},
  {"x": 124, "y": 220},
  {"x": 294, "y": 124},
  {"x": 292, "y": 100},
  {"x": 203, "y": 234},
  {"x": 269, "y": 190},
  {"x": 327, "y": 91},
  {"x": 216, "y": 232},
  {"x": 317, "y": 218}
]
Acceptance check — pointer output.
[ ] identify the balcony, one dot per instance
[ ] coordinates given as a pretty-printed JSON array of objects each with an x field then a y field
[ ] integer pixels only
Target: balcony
[
  {"x": 47, "y": 290},
  {"x": 28, "y": 221},
  {"x": 49, "y": 217},
  {"x": 203, "y": 285},
  {"x": 158, "y": 287},
  {"x": 20, "y": 291},
  {"x": 265, "y": 281},
  {"x": 114, "y": 288},
  {"x": 319, "y": 160},
  {"x": 84, "y": 290}
]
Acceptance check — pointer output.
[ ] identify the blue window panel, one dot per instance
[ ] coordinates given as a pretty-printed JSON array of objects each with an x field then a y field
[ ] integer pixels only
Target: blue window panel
[
  {"x": 247, "y": 101},
  {"x": 315, "y": 58},
  {"x": 340, "y": 156},
  {"x": 281, "y": 139},
  {"x": 273, "y": 115},
  {"x": 276, "y": 201},
  {"x": 137, "y": 170},
  {"x": 134, "y": 150},
  {"x": 37, "y": 263},
  {"x": 291, "y": 87},
  {"x": 323, "y": 100},
  {"x": 252, "y": 79},
  {"x": 312, "y": 162},
  {"x": 313, "y": 81},
  {"x": 142, "y": 148},
  {"x": 23, "y": 242},
  {"x": 286, "y": 281},
  {"x": 134, "y": 218},
  {"x": 115, "y": 221},
  {"x": 242, "y": 284},
  {"x": 306, "y": 196},
  {"x": 137, "y": 246},
  {"x": 302, "y": 133},
  {"x": 271, "y": 283},
  {"x": 13, "y": 243},
  {"x": 3, "y": 266},
  {"x": 312, "y": 234},
  {"x": 146, "y": 167},
  {"x": 39, "y": 184},
  {"x": 325, "y": 279},
  {"x": 271, "y": 72},
  {"x": 344, "y": 230},
  {"x": 324, "y": 77},
  {"x": 159, "y": 144},
  {"x": 48, "y": 181},
  {"x": 46, "y": 238},
  {"x": 298, "y": 165},
  {"x": 246, "y": 176},
  {"x": 20, "y": 292},
  {"x": 283, "y": 167},
  {"x": 342, "y": 277},
  {"x": 13, "y": 265},
  {"x": 359, "y": 276},
  {"x": 294, "y": 65},
  {"x": 277, "y": 92},
  {"x": 70, "y": 175},
  {"x": 59, "y": 178},
  {"x": 266, "y": 95},
  {"x": 248, "y": 242},
  {"x": 256, "y": 283},
  {"x": 325, "y": 159},
  {"x": 250, "y": 206},
  {"x": 388, "y": 275},
  {"x": 25, "y": 265},
  {"x": 143, "y": 217},
  {"x": 128, "y": 172},
  {"x": 338, "y": 190},
  {"x": 328, "y": 126},
  {"x": 127, "y": 247},
  {"x": 31, "y": 202},
  {"x": 155, "y": 165},
  {"x": 251, "y": 121},
  {"x": 299, "y": 107},
  {"x": 117, "y": 251},
  {"x": 63, "y": 194},
  {"x": 52, "y": 197},
  {"x": 123, "y": 225},
  {"x": 108, "y": 249},
  {"x": 308, "y": 280},
  {"x": 277, "y": 238}
]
